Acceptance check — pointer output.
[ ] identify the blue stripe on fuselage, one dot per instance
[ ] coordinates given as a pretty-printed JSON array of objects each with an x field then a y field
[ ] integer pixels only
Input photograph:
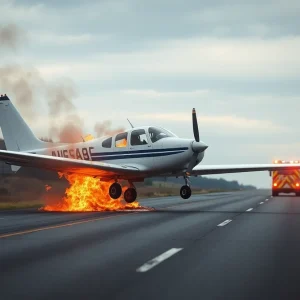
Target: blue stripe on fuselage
[
  {"x": 137, "y": 151},
  {"x": 128, "y": 155}
]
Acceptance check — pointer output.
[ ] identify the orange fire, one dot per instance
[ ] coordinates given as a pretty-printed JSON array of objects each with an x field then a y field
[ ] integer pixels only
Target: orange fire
[
  {"x": 88, "y": 137},
  {"x": 48, "y": 187},
  {"x": 122, "y": 143},
  {"x": 88, "y": 194}
]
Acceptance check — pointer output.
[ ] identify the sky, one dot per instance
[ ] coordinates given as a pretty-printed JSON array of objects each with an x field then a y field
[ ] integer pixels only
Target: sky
[{"x": 152, "y": 61}]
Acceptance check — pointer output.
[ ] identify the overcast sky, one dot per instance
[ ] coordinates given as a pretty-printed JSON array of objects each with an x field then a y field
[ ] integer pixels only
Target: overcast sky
[{"x": 152, "y": 61}]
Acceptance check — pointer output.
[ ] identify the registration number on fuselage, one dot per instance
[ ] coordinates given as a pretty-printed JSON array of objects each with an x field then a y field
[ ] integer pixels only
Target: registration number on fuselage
[{"x": 76, "y": 153}]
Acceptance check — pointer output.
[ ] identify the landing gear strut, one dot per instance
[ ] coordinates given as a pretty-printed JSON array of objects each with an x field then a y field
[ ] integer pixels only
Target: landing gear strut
[
  {"x": 185, "y": 191},
  {"x": 115, "y": 190}
]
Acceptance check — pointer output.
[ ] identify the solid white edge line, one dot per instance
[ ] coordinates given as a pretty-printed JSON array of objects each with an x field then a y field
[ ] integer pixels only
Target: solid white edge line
[
  {"x": 225, "y": 222},
  {"x": 157, "y": 260},
  {"x": 249, "y": 209}
]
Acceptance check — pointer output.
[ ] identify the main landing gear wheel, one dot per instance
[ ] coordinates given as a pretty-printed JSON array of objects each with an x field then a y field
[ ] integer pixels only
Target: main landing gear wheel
[
  {"x": 130, "y": 195},
  {"x": 115, "y": 190},
  {"x": 185, "y": 192}
]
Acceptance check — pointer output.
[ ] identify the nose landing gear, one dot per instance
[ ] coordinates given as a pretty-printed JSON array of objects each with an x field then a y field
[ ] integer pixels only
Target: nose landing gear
[{"x": 185, "y": 191}]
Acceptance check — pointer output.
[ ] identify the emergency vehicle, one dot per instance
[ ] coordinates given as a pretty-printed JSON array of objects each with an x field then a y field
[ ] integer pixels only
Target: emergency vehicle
[{"x": 285, "y": 181}]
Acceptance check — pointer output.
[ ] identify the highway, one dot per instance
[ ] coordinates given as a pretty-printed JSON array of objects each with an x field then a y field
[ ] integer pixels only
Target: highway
[{"x": 241, "y": 245}]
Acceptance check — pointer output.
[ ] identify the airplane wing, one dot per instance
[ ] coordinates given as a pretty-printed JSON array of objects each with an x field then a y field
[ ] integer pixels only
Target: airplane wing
[
  {"x": 68, "y": 165},
  {"x": 222, "y": 169}
]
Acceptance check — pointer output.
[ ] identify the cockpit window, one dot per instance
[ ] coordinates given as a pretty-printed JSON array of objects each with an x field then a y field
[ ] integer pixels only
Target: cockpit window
[
  {"x": 138, "y": 137},
  {"x": 121, "y": 140},
  {"x": 107, "y": 143},
  {"x": 158, "y": 134}
]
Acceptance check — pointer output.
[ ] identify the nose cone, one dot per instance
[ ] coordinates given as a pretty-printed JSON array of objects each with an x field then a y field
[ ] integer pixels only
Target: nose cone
[{"x": 199, "y": 147}]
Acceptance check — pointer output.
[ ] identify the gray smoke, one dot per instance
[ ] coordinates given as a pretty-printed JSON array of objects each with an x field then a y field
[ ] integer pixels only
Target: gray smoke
[
  {"x": 27, "y": 87},
  {"x": 60, "y": 102},
  {"x": 104, "y": 128},
  {"x": 23, "y": 84},
  {"x": 11, "y": 36}
]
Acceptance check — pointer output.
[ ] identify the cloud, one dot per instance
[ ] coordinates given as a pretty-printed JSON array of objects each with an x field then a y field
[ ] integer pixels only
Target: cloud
[
  {"x": 62, "y": 39},
  {"x": 158, "y": 94},
  {"x": 246, "y": 58},
  {"x": 226, "y": 122}
]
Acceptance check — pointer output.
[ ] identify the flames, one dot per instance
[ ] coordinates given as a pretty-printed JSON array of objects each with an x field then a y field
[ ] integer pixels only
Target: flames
[
  {"x": 48, "y": 187},
  {"x": 88, "y": 194},
  {"x": 122, "y": 143},
  {"x": 88, "y": 137}
]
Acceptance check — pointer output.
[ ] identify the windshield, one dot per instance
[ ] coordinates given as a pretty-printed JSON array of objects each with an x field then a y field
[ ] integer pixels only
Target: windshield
[{"x": 157, "y": 134}]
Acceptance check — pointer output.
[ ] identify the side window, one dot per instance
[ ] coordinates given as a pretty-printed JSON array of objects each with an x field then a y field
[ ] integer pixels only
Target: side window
[
  {"x": 121, "y": 140},
  {"x": 138, "y": 137},
  {"x": 107, "y": 143}
]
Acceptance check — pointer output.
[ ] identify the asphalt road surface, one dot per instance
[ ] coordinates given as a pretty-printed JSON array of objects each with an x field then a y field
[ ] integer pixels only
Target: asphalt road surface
[{"x": 243, "y": 245}]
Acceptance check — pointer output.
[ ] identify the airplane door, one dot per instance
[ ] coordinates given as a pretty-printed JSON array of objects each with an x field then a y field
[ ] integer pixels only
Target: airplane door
[{"x": 140, "y": 148}]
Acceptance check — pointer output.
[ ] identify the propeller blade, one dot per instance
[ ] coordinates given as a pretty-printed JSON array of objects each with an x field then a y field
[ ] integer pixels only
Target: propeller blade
[
  {"x": 192, "y": 163},
  {"x": 195, "y": 126}
]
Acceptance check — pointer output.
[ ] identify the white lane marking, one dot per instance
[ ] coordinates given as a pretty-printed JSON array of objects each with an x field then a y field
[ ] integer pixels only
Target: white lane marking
[
  {"x": 225, "y": 222},
  {"x": 249, "y": 209},
  {"x": 157, "y": 260},
  {"x": 267, "y": 199},
  {"x": 261, "y": 203}
]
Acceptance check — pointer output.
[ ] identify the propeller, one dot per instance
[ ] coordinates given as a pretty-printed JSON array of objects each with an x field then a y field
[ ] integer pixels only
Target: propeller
[
  {"x": 197, "y": 145},
  {"x": 195, "y": 126}
]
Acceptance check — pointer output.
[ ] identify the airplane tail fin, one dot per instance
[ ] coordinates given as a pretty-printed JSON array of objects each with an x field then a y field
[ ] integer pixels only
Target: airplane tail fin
[{"x": 16, "y": 133}]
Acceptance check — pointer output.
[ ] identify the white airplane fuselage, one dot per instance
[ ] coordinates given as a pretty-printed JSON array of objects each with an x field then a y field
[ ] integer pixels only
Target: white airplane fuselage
[{"x": 168, "y": 155}]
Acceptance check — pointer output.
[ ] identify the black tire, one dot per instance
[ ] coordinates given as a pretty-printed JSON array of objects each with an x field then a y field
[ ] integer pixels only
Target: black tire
[
  {"x": 130, "y": 195},
  {"x": 115, "y": 190},
  {"x": 297, "y": 194},
  {"x": 185, "y": 192},
  {"x": 274, "y": 194}
]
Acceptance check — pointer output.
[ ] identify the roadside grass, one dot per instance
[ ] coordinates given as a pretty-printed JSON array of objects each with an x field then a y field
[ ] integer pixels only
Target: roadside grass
[
  {"x": 19, "y": 205},
  {"x": 24, "y": 193}
]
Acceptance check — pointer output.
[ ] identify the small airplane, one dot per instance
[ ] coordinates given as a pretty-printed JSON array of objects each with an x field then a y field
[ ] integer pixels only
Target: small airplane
[{"x": 132, "y": 155}]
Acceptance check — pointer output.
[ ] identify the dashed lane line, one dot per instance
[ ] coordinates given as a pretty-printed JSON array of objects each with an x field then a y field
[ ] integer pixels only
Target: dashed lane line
[
  {"x": 261, "y": 203},
  {"x": 157, "y": 260},
  {"x": 224, "y": 223},
  {"x": 249, "y": 209}
]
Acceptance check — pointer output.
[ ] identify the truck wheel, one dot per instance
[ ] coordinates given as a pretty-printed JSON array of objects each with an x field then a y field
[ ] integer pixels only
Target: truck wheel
[
  {"x": 297, "y": 194},
  {"x": 274, "y": 194}
]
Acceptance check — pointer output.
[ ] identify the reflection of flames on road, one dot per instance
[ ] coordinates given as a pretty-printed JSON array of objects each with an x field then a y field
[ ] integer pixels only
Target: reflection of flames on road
[{"x": 88, "y": 194}]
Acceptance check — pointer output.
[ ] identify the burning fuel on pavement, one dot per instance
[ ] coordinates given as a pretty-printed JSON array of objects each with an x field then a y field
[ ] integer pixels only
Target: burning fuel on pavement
[{"x": 88, "y": 194}]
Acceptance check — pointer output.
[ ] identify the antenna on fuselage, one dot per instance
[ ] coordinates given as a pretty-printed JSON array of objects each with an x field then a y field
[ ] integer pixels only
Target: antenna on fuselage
[{"x": 130, "y": 123}]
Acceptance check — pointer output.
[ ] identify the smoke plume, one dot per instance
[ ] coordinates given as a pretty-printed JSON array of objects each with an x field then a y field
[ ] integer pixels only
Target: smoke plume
[
  {"x": 104, "y": 128},
  {"x": 27, "y": 87},
  {"x": 24, "y": 84},
  {"x": 11, "y": 36},
  {"x": 60, "y": 102}
]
